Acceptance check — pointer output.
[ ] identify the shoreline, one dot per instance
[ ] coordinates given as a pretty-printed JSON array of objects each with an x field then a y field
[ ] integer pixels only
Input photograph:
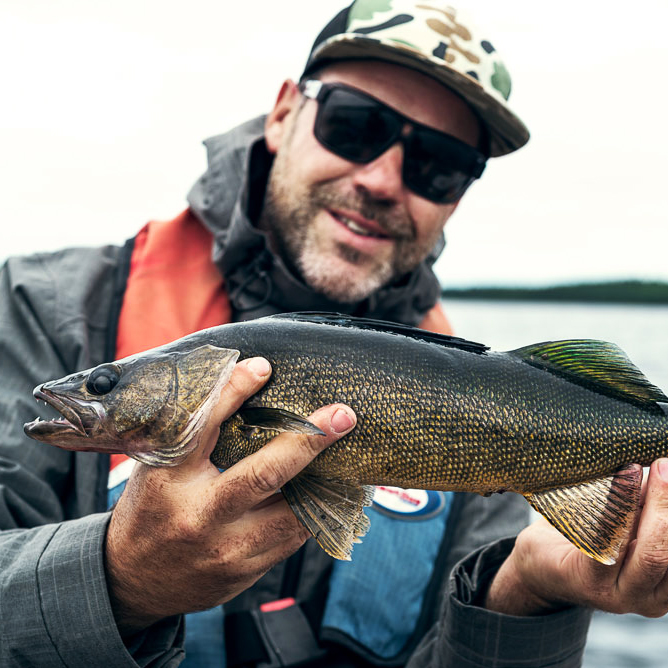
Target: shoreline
[{"x": 609, "y": 292}]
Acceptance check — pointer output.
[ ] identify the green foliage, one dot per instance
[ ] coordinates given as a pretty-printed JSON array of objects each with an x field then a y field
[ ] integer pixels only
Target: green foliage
[{"x": 614, "y": 292}]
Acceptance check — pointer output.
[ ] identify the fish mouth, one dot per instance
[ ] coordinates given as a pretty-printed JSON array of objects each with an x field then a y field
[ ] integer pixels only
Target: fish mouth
[{"x": 77, "y": 418}]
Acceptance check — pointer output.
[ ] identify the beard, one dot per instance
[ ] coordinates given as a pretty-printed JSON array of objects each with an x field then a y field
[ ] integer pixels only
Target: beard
[{"x": 339, "y": 272}]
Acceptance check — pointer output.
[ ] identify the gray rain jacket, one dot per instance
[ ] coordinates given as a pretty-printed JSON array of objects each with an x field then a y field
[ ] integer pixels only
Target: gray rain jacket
[{"x": 58, "y": 314}]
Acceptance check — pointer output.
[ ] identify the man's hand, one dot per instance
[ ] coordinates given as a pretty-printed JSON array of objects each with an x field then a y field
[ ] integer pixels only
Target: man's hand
[
  {"x": 546, "y": 572},
  {"x": 188, "y": 538}
]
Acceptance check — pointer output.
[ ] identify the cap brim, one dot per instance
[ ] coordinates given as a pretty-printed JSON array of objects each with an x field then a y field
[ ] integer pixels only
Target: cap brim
[{"x": 507, "y": 131}]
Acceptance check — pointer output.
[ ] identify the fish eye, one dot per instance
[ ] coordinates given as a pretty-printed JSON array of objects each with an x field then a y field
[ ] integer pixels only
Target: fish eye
[{"x": 103, "y": 379}]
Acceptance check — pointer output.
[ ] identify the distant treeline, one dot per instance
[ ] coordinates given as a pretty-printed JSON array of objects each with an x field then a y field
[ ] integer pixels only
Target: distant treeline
[{"x": 618, "y": 292}]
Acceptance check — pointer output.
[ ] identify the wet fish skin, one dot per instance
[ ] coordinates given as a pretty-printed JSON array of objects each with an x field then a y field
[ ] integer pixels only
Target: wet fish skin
[
  {"x": 438, "y": 417},
  {"x": 557, "y": 422}
]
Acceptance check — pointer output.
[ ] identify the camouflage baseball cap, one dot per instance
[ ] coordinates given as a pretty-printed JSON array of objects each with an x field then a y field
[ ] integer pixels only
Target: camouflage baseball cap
[{"x": 434, "y": 38}]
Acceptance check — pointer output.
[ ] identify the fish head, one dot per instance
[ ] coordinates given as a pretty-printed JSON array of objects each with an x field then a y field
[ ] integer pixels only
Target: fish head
[{"x": 151, "y": 401}]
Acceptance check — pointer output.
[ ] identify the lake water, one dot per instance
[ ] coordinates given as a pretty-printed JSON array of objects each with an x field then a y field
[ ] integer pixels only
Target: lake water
[{"x": 626, "y": 641}]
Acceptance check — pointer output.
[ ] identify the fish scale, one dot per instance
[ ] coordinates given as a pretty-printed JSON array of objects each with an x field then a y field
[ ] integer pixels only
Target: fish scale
[{"x": 558, "y": 422}]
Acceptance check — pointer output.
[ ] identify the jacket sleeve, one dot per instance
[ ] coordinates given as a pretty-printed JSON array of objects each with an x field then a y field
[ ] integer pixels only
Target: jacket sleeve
[
  {"x": 54, "y": 605},
  {"x": 466, "y": 635}
]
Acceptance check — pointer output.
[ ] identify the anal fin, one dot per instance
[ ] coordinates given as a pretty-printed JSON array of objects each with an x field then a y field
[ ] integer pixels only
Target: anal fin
[
  {"x": 331, "y": 510},
  {"x": 596, "y": 516}
]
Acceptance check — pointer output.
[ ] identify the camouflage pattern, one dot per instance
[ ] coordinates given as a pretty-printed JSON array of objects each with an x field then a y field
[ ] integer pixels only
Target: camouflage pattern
[{"x": 434, "y": 38}]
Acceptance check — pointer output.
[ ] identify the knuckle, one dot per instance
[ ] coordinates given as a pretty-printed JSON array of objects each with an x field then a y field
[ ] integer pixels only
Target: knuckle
[
  {"x": 291, "y": 546},
  {"x": 230, "y": 555},
  {"x": 275, "y": 533},
  {"x": 187, "y": 529},
  {"x": 313, "y": 445},
  {"x": 653, "y": 612},
  {"x": 648, "y": 605},
  {"x": 264, "y": 478},
  {"x": 287, "y": 527},
  {"x": 609, "y": 597},
  {"x": 193, "y": 523},
  {"x": 243, "y": 381},
  {"x": 653, "y": 562}
]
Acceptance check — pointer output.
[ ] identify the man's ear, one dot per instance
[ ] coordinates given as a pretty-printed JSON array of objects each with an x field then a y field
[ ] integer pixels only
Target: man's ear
[{"x": 277, "y": 120}]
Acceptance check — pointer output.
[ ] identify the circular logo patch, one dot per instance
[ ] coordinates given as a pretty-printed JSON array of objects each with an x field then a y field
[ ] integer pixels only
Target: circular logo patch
[{"x": 408, "y": 504}]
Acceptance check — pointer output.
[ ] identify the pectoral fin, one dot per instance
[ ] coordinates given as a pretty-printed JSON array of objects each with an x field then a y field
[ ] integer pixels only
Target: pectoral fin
[
  {"x": 332, "y": 511},
  {"x": 596, "y": 516},
  {"x": 277, "y": 419}
]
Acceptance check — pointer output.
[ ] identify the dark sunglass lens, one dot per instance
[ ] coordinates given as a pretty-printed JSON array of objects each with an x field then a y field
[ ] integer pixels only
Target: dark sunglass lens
[
  {"x": 437, "y": 167},
  {"x": 355, "y": 126}
]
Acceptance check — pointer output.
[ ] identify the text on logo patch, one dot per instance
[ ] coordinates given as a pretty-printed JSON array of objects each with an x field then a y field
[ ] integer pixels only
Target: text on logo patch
[{"x": 408, "y": 504}]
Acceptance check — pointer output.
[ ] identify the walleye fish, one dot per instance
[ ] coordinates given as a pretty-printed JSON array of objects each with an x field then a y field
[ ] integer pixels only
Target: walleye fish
[{"x": 558, "y": 422}]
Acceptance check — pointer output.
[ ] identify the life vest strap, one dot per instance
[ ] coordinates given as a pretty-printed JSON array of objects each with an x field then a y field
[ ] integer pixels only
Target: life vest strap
[{"x": 275, "y": 635}]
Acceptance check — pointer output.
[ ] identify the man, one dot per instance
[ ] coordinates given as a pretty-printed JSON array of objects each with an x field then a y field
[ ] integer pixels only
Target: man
[{"x": 335, "y": 202}]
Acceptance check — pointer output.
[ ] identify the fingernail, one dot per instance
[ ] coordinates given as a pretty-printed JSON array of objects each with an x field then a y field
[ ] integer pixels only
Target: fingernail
[
  {"x": 259, "y": 365},
  {"x": 662, "y": 467},
  {"x": 341, "y": 421}
]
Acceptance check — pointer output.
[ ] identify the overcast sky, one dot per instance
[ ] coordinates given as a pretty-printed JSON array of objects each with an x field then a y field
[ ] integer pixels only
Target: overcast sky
[{"x": 105, "y": 106}]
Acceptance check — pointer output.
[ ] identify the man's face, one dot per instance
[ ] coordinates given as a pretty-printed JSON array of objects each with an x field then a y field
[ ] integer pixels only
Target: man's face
[{"x": 348, "y": 229}]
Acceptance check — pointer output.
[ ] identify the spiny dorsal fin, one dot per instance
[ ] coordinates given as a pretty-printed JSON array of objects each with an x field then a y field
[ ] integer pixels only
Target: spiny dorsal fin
[
  {"x": 277, "y": 419},
  {"x": 594, "y": 364},
  {"x": 331, "y": 510},
  {"x": 342, "y": 320},
  {"x": 596, "y": 516}
]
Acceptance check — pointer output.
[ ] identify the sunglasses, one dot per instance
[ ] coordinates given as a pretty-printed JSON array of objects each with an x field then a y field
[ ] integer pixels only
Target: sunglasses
[{"x": 360, "y": 128}]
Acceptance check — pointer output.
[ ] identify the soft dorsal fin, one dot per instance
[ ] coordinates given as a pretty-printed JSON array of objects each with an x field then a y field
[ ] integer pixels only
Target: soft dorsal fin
[
  {"x": 594, "y": 364},
  {"x": 342, "y": 320}
]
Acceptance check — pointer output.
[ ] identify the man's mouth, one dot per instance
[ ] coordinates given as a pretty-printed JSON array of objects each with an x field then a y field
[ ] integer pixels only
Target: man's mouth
[{"x": 364, "y": 230}]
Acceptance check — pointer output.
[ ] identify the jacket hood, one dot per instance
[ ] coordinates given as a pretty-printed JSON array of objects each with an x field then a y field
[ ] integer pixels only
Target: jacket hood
[{"x": 257, "y": 280}]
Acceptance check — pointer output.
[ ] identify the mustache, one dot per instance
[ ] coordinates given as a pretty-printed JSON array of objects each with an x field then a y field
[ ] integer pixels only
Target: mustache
[{"x": 394, "y": 222}]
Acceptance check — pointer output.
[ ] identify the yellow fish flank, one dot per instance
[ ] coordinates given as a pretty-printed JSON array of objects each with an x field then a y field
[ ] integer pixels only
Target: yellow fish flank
[{"x": 558, "y": 422}]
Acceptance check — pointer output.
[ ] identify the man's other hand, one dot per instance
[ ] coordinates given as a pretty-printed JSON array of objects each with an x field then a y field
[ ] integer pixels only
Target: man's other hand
[{"x": 545, "y": 572}]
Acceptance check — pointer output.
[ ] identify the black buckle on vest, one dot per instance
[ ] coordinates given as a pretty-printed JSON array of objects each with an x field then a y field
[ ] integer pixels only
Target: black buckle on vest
[{"x": 277, "y": 635}]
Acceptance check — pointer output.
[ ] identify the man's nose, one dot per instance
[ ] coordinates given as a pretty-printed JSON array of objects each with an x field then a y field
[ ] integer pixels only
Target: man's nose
[{"x": 381, "y": 177}]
